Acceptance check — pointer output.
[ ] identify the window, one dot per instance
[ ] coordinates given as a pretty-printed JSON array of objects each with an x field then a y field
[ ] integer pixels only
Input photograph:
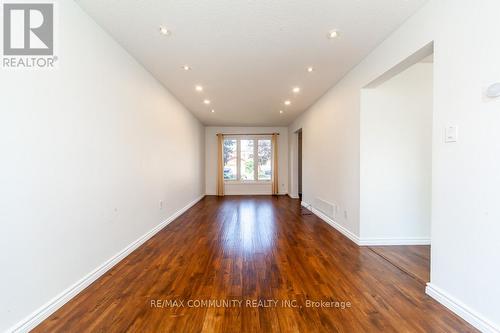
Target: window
[
  {"x": 265, "y": 154},
  {"x": 230, "y": 160},
  {"x": 247, "y": 166},
  {"x": 247, "y": 159}
]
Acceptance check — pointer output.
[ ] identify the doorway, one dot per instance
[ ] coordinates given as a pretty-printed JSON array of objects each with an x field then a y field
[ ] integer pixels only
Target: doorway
[
  {"x": 396, "y": 165},
  {"x": 299, "y": 163}
]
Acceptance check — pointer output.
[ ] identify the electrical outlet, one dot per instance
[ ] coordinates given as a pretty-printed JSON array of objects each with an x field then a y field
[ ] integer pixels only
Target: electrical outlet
[
  {"x": 160, "y": 205},
  {"x": 345, "y": 214}
]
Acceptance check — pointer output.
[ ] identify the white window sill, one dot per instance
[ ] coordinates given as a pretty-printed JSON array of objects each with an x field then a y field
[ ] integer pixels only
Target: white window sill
[{"x": 250, "y": 182}]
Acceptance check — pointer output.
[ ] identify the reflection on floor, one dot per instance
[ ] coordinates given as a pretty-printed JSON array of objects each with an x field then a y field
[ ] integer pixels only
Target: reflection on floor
[
  {"x": 415, "y": 260},
  {"x": 253, "y": 264}
]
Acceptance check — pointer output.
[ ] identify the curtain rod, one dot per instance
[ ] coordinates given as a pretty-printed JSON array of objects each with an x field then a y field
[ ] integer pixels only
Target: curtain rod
[{"x": 249, "y": 134}]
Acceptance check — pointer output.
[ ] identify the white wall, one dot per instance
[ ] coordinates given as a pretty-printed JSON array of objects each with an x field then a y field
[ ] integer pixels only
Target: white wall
[
  {"x": 293, "y": 166},
  {"x": 330, "y": 153},
  {"x": 240, "y": 189},
  {"x": 396, "y": 158},
  {"x": 87, "y": 152},
  {"x": 466, "y": 182}
]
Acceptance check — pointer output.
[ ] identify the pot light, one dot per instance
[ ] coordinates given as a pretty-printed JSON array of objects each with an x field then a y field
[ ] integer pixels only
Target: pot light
[
  {"x": 213, "y": 111},
  {"x": 164, "y": 31},
  {"x": 186, "y": 68},
  {"x": 333, "y": 34},
  {"x": 310, "y": 69},
  {"x": 198, "y": 88},
  {"x": 288, "y": 102},
  {"x": 206, "y": 101},
  {"x": 281, "y": 111},
  {"x": 296, "y": 90}
]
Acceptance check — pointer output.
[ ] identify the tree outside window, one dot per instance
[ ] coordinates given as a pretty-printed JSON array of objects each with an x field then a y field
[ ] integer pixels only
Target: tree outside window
[
  {"x": 230, "y": 160},
  {"x": 247, "y": 159}
]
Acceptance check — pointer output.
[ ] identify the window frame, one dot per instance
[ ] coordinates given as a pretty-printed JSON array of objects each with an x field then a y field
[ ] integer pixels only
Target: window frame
[{"x": 256, "y": 139}]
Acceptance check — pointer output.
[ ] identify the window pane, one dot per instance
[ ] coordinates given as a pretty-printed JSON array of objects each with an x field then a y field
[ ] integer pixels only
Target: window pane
[
  {"x": 230, "y": 160},
  {"x": 247, "y": 164},
  {"x": 265, "y": 155}
]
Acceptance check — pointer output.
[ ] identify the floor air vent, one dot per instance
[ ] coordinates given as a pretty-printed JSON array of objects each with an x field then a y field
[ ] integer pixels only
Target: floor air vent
[{"x": 304, "y": 211}]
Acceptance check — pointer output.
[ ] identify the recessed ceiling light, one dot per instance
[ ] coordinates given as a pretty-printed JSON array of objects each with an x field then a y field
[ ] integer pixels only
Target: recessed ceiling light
[
  {"x": 281, "y": 111},
  {"x": 296, "y": 90},
  {"x": 186, "y": 68},
  {"x": 310, "y": 69},
  {"x": 213, "y": 111},
  {"x": 288, "y": 102},
  {"x": 198, "y": 88},
  {"x": 164, "y": 31},
  {"x": 333, "y": 34},
  {"x": 207, "y": 101}
]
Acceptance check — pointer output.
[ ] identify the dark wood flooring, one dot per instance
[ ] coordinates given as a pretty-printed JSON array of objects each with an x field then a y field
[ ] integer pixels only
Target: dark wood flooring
[
  {"x": 415, "y": 260},
  {"x": 246, "y": 249}
]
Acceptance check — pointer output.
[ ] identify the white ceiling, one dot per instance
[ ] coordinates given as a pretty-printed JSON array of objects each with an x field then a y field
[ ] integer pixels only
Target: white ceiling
[{"x": 249, "y": 54}]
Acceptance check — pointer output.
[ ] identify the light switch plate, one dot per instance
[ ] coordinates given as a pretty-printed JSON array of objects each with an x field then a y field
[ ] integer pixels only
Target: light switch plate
[{"x": 451, "y": 134}]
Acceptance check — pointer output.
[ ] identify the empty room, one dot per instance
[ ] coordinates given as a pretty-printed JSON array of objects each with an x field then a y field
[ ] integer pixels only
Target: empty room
[{"x": 250, "y": 166}]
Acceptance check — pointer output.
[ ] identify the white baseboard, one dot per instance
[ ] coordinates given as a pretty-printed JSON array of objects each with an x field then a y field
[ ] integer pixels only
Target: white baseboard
[
  {"x": 461, "y": 309},
  {"x": 344, "y": 231},
  {"x": 438, "y": 294},
  {"x": 393, "y": 241},
  {"x": 252, "y": 194},
  {"x": 366, "y": 241},
  {"x": 247, "y": 193},
  {"x": 53, "y": 305}
]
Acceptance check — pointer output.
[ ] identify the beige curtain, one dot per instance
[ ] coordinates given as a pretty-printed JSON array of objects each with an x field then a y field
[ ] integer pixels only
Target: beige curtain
[
  {"x": 274, "y": 179},
  {"x": 220, "y": 165}
]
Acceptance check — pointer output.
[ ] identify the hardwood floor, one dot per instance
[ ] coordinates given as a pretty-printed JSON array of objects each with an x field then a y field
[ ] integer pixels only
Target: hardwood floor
[
  {"x": 249, "y": 249},
  {"x": 415, "y": 260}
]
